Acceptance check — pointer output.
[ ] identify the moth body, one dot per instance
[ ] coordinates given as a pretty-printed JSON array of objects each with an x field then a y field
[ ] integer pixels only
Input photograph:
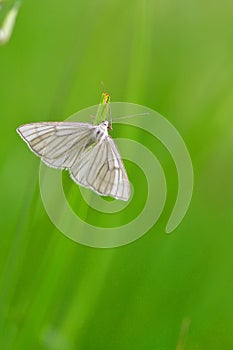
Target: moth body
[{"x": 86, "y": 151}]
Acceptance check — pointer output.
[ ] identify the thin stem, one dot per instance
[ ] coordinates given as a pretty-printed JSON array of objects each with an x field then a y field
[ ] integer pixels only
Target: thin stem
[{"x": 104, "y": 109}]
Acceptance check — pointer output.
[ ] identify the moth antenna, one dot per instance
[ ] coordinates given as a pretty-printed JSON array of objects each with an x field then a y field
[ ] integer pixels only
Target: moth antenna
[
  {"x": 129, "y": 116},
  {"x": 102, "y": 86}
]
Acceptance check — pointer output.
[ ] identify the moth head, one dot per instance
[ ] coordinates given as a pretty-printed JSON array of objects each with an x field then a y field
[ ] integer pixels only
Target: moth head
[{"x": 105, "y": 123}]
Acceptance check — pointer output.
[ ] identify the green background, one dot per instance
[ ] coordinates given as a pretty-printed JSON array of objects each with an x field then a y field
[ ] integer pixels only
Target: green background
[{"x": 162, "y": 291}]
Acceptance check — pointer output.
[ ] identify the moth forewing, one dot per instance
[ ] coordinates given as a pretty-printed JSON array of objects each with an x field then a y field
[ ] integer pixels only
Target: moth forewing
[
  {"x": 58, "y": 144},
  {"x": 103, "y": 171}
]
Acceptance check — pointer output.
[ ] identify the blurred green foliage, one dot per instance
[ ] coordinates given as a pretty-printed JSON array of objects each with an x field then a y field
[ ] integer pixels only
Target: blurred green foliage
[{"x": 162, "y": 291}]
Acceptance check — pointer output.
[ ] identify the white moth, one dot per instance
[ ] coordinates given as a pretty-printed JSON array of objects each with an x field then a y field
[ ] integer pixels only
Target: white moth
[{"x": 86, "y": 150}]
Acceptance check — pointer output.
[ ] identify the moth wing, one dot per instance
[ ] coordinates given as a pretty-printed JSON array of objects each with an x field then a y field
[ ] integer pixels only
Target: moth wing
[
  {"x": 58, "y": 144},
  {"x": 102, "y": 170}
]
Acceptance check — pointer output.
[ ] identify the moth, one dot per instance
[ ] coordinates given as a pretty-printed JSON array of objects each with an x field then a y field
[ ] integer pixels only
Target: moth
[{"x": 85, "y": 150}]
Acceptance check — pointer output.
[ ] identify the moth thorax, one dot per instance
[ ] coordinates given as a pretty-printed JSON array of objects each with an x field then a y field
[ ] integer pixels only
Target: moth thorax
[{"x": 101, "y": 132}]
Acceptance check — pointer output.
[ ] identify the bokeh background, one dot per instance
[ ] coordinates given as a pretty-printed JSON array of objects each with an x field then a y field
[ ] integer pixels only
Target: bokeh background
[{"x": 162, "y": 291}]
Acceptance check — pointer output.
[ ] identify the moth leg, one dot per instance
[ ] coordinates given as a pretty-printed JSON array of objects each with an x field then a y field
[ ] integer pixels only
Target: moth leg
[{"x": 92, "y": 119}]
